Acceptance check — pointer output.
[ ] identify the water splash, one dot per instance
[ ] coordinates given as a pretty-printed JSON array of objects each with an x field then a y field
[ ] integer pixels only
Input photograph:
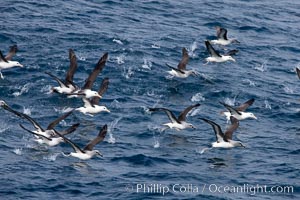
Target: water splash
[
  {"x": 147, "y": 64},
  {"x": 118, "y": 41},
  {"x": 23, "y": 89},
  {"x": 262, "y": 67},
  {"x": 18, "y": 151},
  {"x": 46, "y": 89},
  {"x": 156, "y": 143},
  {"x": 128, "y": 73},
  {"x": 155, "y": 46},
  {"x": 198, "y": 97},
  {"x": 26, "y": 111},
  {"x": 192, "y": 48},
  {"x": 267, "y": 105},
  {"x": 251, "y": 83},
  {"x": 120, "y": 59},
  {"x": 111, "y": 139},
  {"x": 51, "y": 157},
  {"x": 288, "y": 90}
]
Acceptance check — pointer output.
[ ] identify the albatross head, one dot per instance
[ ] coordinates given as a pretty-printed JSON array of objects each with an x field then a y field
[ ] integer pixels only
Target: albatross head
[
  {"x": 97, "y": 152},
  {"x": 3, "y": 103}
]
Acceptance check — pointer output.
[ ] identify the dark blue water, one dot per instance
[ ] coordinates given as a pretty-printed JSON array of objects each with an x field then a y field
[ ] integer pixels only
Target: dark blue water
[{"x": 141, "y": 36}]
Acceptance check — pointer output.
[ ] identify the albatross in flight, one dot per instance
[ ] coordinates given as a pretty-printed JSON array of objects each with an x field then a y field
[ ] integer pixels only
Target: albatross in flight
[
  {"x": 224, "y": 140},
  {"x": 176, "y": 123},
  {"x": 66, "y": 86},
  {"x": 222, "y": 37},
  {"x": 239, "y": 112},
  {"x": 181, "y": 71},
  {"x": 216, "y": 57},
  {"x": 91, "y": 105},
  {"x": 87, "y": 152},
  {"x": 6, "y": 62},
  {"x": 87, "y": 91}
]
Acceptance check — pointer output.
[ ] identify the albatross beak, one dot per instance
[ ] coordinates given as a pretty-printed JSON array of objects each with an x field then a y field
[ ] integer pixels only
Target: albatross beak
[
  {"x": 108, "y": 110},
  {"x": 99, "y": 96}
]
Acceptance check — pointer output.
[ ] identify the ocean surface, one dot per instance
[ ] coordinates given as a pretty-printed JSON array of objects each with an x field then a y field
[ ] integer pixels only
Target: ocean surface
[{"x": 140, "y": 161}]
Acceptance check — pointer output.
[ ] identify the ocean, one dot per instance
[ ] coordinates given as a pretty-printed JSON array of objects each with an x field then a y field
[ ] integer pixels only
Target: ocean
[{"x": 139, "y": 160}]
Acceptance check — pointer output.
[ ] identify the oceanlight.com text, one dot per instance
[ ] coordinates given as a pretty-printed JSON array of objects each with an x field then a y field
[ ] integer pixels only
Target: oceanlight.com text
[{"x": 164, "y": 189}]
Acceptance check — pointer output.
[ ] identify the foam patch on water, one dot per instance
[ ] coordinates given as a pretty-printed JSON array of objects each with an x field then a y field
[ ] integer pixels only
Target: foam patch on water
[
  {"x": 288, "y": 90},
  {"x": 262, "y": 67},
  {"x": 248, "y": 81},
  {"x": 229, "y": 101},
  {"x": 155, "y": 46},
  {"x": 3, "y": 128},
  {"x": 127, "y": 73},
  {"x": 46, "y": 89},
  {"x": 198, "y": 97},
  {"x": 156, "y": 143},
  {"x": 120, "y": 59}
]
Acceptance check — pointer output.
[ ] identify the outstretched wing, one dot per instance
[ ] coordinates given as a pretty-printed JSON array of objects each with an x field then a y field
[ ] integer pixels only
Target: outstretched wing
[
  {"x": 55, "y": 122},
  {"x": 211, "y": 50},
  {"x": 174, "y": 68},
  {"x": 232, "y": 52},
  {"x": 101, "y": 91},
  {"x": 70, "y": 129},
  {"x": 171, "y": 116},
  {"x": 2, "y": 57},
  {"x": 234, "y": 125},
  {"x": 217, "y": 129},
  {"x": 59, "y": 81},
  {"x": 93, "y": 75},
  {"x": 298, "y": 72},
  {"x": 245, "y": 105},
  {"x": 12, "y": 52},
  {"x": 231, "y": 109},
  {"x": 72, "y": 67},
  {"x": 184, "y": 60},
  {"x": 39, "y": 135},
  {"x": 221, "y": 33},
  {"x": 99, "y": 138},
  {"x": 182, "y": 115},
  {"x": 75, "y": 147}
]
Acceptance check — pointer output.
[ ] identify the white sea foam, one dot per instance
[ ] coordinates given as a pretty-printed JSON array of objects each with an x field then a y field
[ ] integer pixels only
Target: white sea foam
[
  {"x": 26, "y": 111},
  {"x": 23, "y": 89},
  {"x": 147, "y": 64},
  {"x": 198, "y": 97},
  {"x": 118, "y": 41},
  {"x": 18, "y": 151}
]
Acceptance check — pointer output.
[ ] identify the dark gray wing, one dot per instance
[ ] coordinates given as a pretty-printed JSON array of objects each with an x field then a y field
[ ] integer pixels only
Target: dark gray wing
[
  {"x": 55, "y": 122},
  {"x": 245, "y": 105},
  {"x": 93, "y": 75},
  {"x": 230, "y": 109},
  {"x": 39, "y": 135},
  {"x": 75, "y": 147},
  {"x": 2, "y": 57},
  {"x": 12, "y": 52},
  {"x": 221, "y": 33},
  {"x": 59, "y": 81},
  {"x": 184, "y": 60},
  {"x": 101, "y": 91},
  {"x": 171, "y": 116},
  {"x": 70, "y": 129},
  {"x": 99, "y": 138},
  {"x": 232, "y": 52},
  {"x": 211, "y": 50},
  {"x": 72, "y": 67},
  {"x": 298, "y": 72},
  {"x": 217, "y": 129},
  {"x": 234, "y": 125},
  {"x": 176, "y": 69},
  {"x": 22, "y": 115},
  {"x": 182, "y": 115}
]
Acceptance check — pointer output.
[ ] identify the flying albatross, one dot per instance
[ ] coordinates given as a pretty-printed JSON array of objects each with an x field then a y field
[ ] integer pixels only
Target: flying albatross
[
  {"x": 49, "y": 131},
  {"x": 216, "y": 57},
  {"x": 239, "y": 112},
  {"x": 181, "y": 71},
  {"x": 222, "y": 37},
  {"x": 87, "y": 152},
  {"x": 66, "y": 86},
  {"x": 176, "y": 123},
  {"x": 6, "y": 62},
  {"x": 87, "y": 91},
  {"x": 91, "y": 105},
  {"x": 224, "y": 140}
]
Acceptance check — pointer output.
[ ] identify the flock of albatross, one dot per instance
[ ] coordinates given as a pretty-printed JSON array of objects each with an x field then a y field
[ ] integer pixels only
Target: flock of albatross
[{"x": 91, "y": 98}]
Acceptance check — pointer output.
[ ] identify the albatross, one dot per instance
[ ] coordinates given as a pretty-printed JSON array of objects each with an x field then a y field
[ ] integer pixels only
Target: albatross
[
  {"x": 66, "y": 86},
  {"x": 239, "y": 112},
  {"x": 216, "y": 57},
  {"x": 181, "y": 71},
  {"x": 6, "y": 62},
  {"x": 49, "y": 131},
  {"x": 87, "y": 91},
  {"x": 222, "y": 37},
  {"x": 176, "y": 123},
  {"x": 87, "y": 152},
  {"x": 91, "y": 105},
  {"x": 224, "y": 140}
]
